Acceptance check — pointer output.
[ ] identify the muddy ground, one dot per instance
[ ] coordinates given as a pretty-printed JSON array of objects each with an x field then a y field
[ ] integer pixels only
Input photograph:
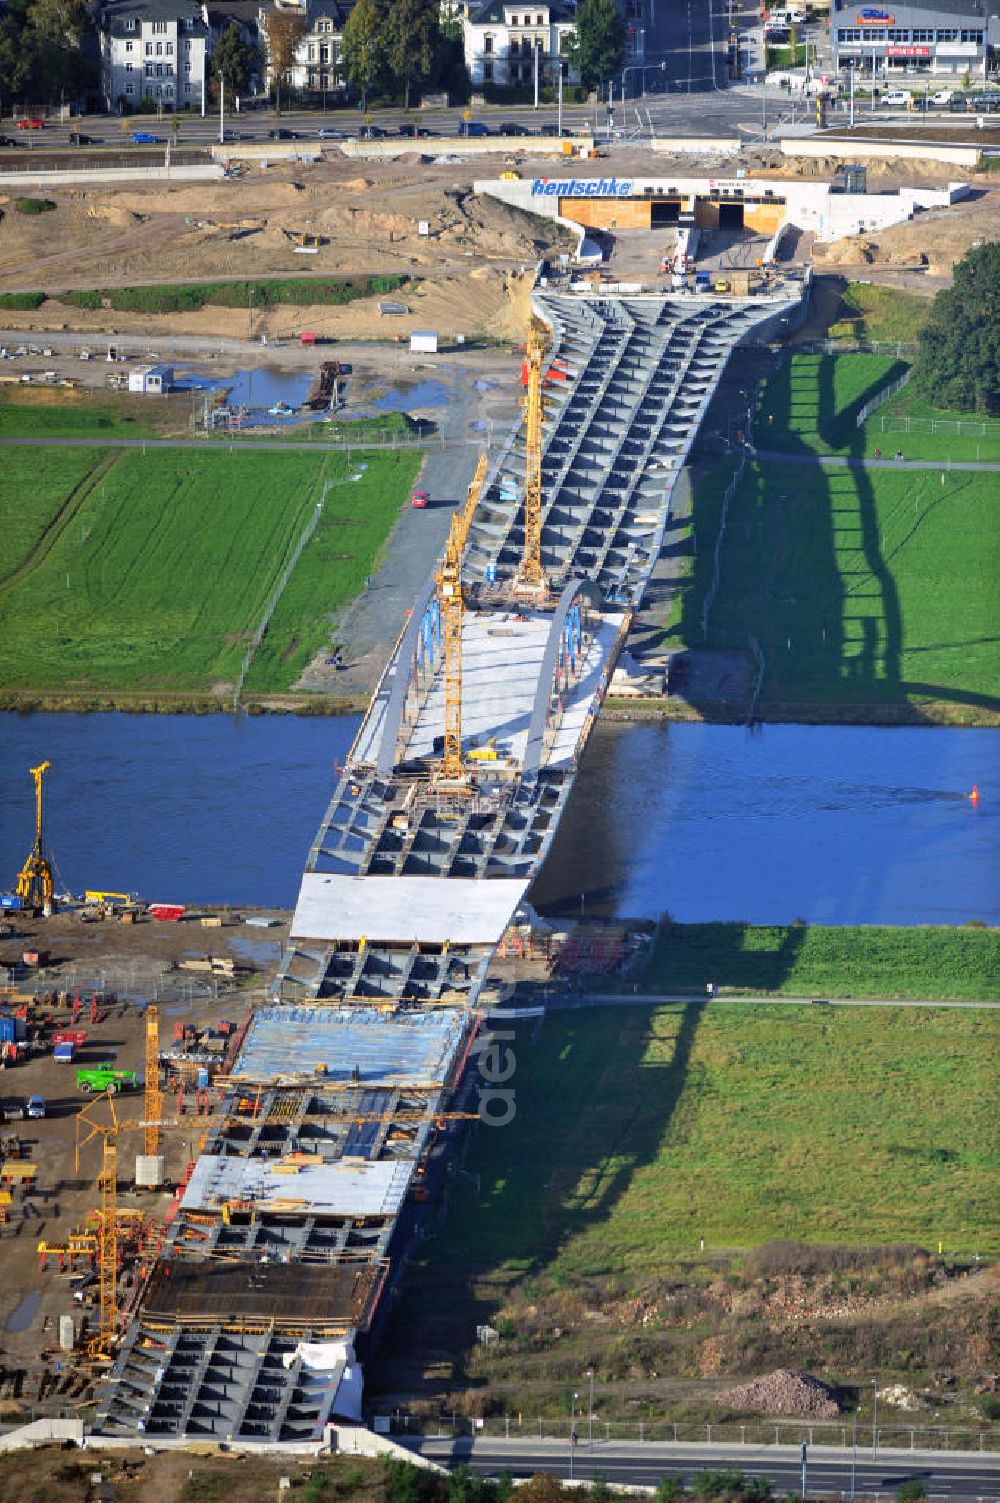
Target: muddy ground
[{"x": 130, "y": 964}]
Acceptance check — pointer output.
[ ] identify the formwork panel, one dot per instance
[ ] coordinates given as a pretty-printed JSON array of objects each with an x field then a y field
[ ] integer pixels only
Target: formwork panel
[{"x": 332, "y": 1043}]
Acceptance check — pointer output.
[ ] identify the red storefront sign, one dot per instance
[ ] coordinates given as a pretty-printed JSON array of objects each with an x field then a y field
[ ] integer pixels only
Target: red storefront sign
[{"x": 908, "y": 51}]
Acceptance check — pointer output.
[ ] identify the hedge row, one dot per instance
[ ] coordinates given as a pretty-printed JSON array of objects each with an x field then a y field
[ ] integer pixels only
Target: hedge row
[
  {"x": 187, "y": 298},
  {"x": 22, "y": 300}
]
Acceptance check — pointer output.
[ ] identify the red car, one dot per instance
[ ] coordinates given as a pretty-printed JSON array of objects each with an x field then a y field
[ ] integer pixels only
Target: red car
[
  {"x": 419, "y": 499},
  {"x": 32, "y": 123}
]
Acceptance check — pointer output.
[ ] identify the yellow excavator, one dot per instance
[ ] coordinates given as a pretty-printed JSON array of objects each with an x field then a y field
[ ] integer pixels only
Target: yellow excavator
[{"x": 34, "y": 881}]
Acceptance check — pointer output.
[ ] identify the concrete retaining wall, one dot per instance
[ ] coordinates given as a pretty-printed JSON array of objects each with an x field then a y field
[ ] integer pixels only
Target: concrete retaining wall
[
  {"x": 199, "y": 173},
  {"x": 849, "y": 150},
  {"x": 701, "y": 145},
  {"x": 41, "y": 1433}
]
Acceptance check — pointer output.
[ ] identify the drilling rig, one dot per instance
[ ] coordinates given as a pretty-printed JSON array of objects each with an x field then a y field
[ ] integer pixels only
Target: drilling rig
[{"x": 34, "y": 881}]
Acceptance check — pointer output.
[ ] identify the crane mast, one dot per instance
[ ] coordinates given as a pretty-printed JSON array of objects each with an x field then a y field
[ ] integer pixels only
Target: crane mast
[
  {"x": 531, "y": 578},
  {"x": 451, "y": 774},
  {"x": 153, "y": 1099},
  {"x": 34, "y": 882}
]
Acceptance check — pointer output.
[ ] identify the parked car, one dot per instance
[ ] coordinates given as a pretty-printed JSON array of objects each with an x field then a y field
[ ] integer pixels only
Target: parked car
[
  {"x": 328, "y": 133},
  {"x": 896, "y": 99},
  {"x": 472, "y": 128},
  {"x": 8, "y": 141},
  {"x": 512, "y": 128},
  {"x": 943, "y": 97},
  {"x": 281, "y": 133},
  {"x": 419, "y": 500},
  {"x": 31, "y": 122},
  {"x": 12, "y": 1108},
  {"x": 959, "y": 105},
  {"x": 77, "y": 138},
  {"x": 143, "y": 138},
  {"x": 371, "y": 133},
  {"x": 36, "y": 1106},
  {"x": 986, "y": 103}
]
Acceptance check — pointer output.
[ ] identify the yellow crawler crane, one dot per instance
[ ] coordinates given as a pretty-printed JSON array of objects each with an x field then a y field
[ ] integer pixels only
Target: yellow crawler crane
[
  {"x": 531, "y": 579},
  {"x": 34, "y": 880}
]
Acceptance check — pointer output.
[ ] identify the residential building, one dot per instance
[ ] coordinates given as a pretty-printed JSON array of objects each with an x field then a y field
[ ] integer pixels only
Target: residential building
[
  {"x": 502, "y": 38},
  {"x": 943, "y": 37},
  {"x": 154, "y": 50},
  {"x": 245, "y": 15},
  {"x": 317, "y": 58}
]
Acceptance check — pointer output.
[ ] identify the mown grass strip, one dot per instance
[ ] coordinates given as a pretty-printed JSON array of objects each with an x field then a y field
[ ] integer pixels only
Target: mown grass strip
[
  {"x": 166, "y": 567},
  {"x": 802, "y": 960},
  {"x": 649, "y": 1129}
]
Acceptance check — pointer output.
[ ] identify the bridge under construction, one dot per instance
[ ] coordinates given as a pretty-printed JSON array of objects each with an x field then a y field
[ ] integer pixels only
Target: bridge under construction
[{"x": 346, "y": 1086}]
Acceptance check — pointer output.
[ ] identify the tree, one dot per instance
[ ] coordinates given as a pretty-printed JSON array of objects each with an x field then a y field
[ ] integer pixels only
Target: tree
[
  {"x": 363, "y": 51},
  {"x": 284, "y": 30},
  {"x": 597, "y": 48},
  {"x": 54, "y": 37},
  {"x": 414, "y": 33},
  {"x": 235, "y": 60},
  {"x": 958, "y": 361}
]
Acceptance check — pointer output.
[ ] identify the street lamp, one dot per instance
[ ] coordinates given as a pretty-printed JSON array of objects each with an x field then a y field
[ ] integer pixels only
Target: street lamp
[
  {"x": 874, "y": 1419},
  {"x": 572, "y": 1435},
  {"x": 590, "y": 1411}
]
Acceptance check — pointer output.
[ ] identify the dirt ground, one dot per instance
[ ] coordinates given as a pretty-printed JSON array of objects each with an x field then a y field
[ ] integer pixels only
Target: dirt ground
[
  {"x": 131, "y": 964},
  {"x": 471, "y": 269}
]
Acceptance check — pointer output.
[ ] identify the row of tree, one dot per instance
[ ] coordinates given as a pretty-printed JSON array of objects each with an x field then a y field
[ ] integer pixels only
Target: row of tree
[{"x": 48, "y": 49}]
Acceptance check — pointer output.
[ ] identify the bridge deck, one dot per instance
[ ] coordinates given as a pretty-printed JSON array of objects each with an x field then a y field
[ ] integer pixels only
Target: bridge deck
[{"x": 406, "y": 892}]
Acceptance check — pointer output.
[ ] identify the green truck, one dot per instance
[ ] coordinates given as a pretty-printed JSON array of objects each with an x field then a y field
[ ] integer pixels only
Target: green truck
[{"x": 104, "y": 1078}]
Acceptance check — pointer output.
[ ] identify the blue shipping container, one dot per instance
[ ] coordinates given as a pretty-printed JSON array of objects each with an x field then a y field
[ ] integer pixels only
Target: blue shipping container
[
  {"x": 9, "y": 900},
  {"x": 8, "y": 1029},
  {"x": 63, "y": 1052}
]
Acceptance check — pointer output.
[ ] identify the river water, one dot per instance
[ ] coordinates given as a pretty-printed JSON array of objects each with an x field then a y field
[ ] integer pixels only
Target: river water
[{"x": 836, "y": 825}]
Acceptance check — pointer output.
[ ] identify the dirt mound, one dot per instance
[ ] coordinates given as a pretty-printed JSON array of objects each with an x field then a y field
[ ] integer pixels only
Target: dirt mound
[{"x": 783, "y": 1392}]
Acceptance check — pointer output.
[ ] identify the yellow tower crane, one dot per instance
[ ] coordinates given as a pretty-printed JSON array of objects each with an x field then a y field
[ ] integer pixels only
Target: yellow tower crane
[
  {"x": 107, "y": 1235},
  {"x": 451, "y": 774},
  {"x": 34, "y": 881},
  {"x": 153, "y": 1096},
  {"x": 531, "y": 578}
]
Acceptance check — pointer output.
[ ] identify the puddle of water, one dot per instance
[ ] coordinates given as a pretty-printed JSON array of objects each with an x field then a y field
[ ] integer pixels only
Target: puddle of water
[
  {"x": 21, "y": 1318},
  {"x": 408, "y": 398},
  {"x": 260, "y": 951},
  {"x": 257, "y": 390}
]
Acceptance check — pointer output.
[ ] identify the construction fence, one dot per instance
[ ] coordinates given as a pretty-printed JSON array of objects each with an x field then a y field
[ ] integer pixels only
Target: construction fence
[{"x": 759, "y": 1432}]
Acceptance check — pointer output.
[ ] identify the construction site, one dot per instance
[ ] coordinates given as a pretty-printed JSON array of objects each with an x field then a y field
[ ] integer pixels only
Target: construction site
[{"x": 318, "y": 1127}]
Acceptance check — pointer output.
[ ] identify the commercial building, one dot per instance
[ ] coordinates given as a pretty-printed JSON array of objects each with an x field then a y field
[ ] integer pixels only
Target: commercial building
[
  {"x": 949, "y": 38},
  {"x": 153, "y": 51},
  {"x": 760, "y": 205}
]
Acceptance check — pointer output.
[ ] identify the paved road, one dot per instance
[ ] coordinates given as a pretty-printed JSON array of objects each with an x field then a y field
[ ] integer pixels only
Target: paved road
[
  {"x": 561, "y": 1000},
  {"x": 969, "y": 1478},
  {"x": 849, "y": 462}
]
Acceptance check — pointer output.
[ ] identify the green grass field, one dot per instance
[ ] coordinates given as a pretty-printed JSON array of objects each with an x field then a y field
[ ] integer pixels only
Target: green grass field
[
  {"x": 357, "y": 519},
  {"x": 76, "y": 415},
  {"x": 32, "y": 496},
  {"x": 820, "y": 961},
  {"x": 155, "y": 581},
  {"x": 811, "y": 407},
  {"x": 862, "y": 587},
  {"x": 639, "y": 1131},
  {"x": 874, "y": 313}
]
